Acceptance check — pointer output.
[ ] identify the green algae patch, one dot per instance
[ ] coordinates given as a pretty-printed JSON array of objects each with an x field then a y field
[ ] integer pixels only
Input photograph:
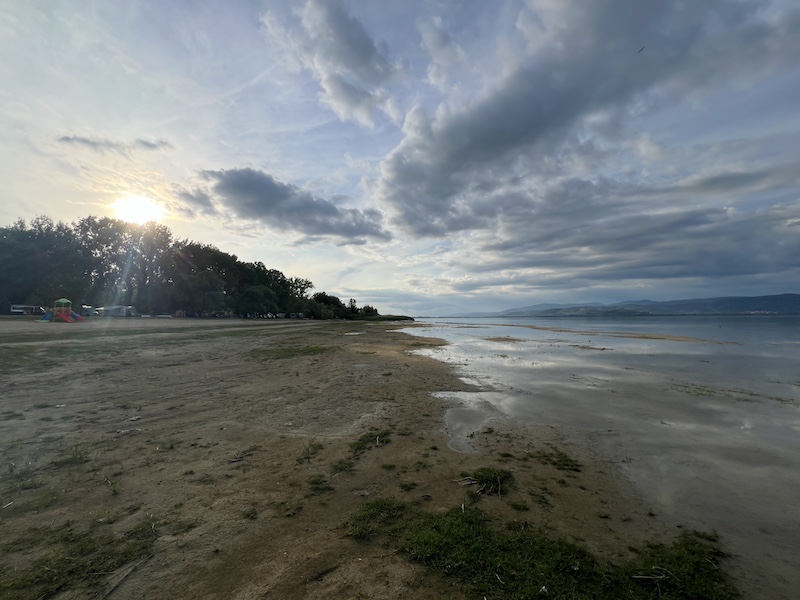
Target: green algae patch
[{"x": 517, "y": 560}]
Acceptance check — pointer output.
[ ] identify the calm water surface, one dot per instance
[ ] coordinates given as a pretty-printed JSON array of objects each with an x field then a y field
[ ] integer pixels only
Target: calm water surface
[{"x": 708, "y": 430}]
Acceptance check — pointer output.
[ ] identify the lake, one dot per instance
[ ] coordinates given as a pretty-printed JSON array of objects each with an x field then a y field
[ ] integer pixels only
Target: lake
[{"x": 701, "y": 414}]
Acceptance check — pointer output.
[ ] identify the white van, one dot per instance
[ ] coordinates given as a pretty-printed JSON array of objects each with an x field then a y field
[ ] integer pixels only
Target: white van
[{"x": 26, "y": 309}]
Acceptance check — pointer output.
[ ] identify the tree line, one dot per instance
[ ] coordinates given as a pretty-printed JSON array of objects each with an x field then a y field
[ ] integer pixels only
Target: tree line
[{"x": 102, "y": 261}]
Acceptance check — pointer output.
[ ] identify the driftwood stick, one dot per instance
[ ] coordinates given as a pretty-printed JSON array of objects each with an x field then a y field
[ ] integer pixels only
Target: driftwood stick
[{"x": 466, "y": 481}]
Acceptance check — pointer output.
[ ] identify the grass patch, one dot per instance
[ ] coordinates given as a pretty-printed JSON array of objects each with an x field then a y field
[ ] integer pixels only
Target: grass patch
[
  {"x": 491, "y": 480},
  {"x": 696, "y": 390},
  {"x": 518, "y": 561},
  {"x": 286, "y": 352},
  {"x": 310, "y": 449},
  {"x": 74, "y": 559},
  {"x": 75, "y": 454},
  {"x": 319, "y": 485},
  {"x": 374, "y": 438},
  {"x": 558, "y": 459},
  {"x": 343, "y": 466},
  {"x": 541, "y": 499}
]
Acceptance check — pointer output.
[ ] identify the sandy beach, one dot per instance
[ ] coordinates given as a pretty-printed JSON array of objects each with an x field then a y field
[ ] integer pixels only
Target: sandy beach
[{"x": 242, "y": 448}]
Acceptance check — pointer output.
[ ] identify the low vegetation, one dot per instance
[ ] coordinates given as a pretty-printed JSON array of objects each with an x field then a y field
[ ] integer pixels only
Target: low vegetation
[
  {"x": 74, "y": 559},
  {"x": 516, "y": 560},
  {"x": 310, "y": 449},
  {"x": 558, "y": 459},
  {"x": 491, "y": 480},
  {"x": 373, "y": 438}
]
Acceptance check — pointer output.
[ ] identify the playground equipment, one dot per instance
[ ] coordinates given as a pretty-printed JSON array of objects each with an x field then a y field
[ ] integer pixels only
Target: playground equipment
[{"x": 62, "y": 311}]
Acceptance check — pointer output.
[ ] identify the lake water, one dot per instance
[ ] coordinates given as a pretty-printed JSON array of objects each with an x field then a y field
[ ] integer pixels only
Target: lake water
[{"x": 707, "y": 428}]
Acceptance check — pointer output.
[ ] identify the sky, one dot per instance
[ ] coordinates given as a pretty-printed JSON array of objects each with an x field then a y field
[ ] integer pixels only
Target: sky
[{"x": 425, "y": 157}]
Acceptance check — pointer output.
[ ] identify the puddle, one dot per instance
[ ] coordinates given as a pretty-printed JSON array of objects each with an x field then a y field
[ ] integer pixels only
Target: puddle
[{"x": 460, "y": 423}]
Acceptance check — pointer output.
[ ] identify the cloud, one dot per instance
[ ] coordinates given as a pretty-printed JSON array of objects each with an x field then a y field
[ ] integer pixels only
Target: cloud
[
  {"x": 446, "y": 55},
  {"x": 120, "y": 147},
  {"x": 581, "y": 81},
  {"x": 195, "y": 201},
  {"x": 350, "y": 67},
  {"x": 256, "y": 195},
  {"x": 583, "y": 233}
]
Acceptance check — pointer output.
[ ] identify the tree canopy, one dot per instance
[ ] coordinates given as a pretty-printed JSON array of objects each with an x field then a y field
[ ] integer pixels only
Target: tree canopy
[{"x": 102, "y": 261}]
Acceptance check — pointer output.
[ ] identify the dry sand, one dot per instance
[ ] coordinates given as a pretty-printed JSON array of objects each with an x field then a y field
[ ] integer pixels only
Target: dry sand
[{"x": 219, "y": 425}]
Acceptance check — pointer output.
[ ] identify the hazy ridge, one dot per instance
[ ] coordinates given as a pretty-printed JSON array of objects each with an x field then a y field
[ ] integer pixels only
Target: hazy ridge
[{"x": 780, "y": 304}]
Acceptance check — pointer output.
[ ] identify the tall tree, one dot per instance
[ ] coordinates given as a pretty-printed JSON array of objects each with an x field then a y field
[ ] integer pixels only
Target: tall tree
[
  {"x": 105, "y": 245},
  {"x": 151, "y": 260},
  {"x": 40, "y": 263}
]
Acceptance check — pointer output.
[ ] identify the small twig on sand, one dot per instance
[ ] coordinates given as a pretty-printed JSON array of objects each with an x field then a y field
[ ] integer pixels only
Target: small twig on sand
[
  {"x": 128, "y": 572},
  {"x": 662, "y": 574},
  {"x": 466, "y": 481}
]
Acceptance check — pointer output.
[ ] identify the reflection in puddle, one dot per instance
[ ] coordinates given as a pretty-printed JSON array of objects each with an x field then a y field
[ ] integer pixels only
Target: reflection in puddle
[{"x": 460, "y": 424}]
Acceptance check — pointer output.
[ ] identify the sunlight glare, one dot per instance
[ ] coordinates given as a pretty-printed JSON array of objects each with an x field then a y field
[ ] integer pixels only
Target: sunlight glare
[{"x": 137, "y": 209}]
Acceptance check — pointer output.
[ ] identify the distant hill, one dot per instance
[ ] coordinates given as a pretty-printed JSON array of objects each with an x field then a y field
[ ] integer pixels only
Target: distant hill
[{"x": 781, "y": 304}]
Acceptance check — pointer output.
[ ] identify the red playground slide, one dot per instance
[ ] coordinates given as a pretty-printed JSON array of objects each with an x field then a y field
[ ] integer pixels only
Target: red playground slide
[{"x": 64, "y": 317}]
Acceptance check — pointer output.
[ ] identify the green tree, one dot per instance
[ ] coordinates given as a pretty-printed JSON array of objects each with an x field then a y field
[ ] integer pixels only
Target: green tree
[
  {"x": 256, "y": 301},
  {"x": 106, "y": 261},
  {"x": 105, "y": 248},
  {"x": 40, "y": 263},
  {"x": 330, "y": 306}
]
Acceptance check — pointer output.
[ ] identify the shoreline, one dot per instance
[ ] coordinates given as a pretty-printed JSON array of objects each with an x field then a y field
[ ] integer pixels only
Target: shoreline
[{"x": 238, "y": 441}]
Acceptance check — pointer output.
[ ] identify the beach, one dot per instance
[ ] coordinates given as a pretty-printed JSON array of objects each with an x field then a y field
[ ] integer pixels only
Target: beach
[{"x": 236, "y": 451}]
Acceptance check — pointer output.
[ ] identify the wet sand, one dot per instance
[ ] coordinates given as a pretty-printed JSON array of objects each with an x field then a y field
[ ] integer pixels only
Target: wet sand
[{"x": 214, "y": 432}]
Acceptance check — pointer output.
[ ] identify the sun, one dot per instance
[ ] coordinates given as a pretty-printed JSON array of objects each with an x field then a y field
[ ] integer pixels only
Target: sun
[{"x": 137, "y": 209}]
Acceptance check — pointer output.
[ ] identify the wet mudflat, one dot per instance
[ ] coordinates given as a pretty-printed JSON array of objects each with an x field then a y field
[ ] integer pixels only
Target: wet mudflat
[{"x": 705, "y": 425}]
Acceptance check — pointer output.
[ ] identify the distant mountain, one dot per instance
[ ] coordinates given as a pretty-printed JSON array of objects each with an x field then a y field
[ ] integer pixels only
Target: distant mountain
[
  {"x": 522, "y": 311},
  {"x": 781, "y": 304},
  {"x": 514, "y": 312}
]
